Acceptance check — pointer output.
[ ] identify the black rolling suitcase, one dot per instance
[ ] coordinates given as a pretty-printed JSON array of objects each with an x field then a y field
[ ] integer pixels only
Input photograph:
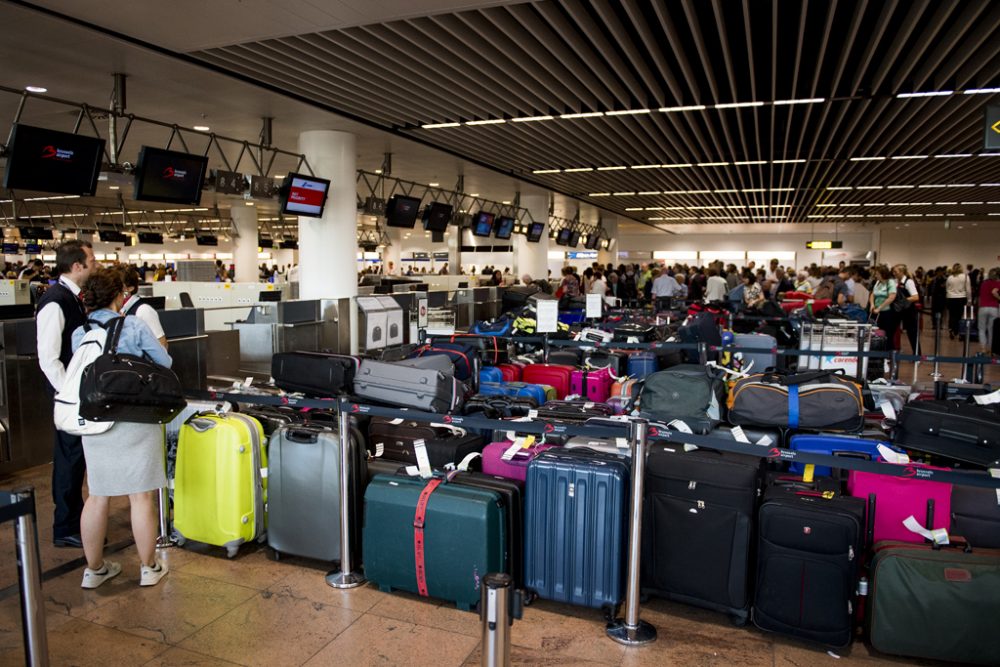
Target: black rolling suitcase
[
  {"x": 394, "y": 440},
  {"x": 964, "y": 431},
  {"x": 512, "y": 496},
  {"x": 573, "y": 411},
  {"x": 810, "y": 541},
  {"x": 698, "y": 527},
  {"x": 314, "y": 373},
  {"x": 995, "y": 337},
  {"x": 975, "y": 515},
  {"x": 499, "y": 407}
]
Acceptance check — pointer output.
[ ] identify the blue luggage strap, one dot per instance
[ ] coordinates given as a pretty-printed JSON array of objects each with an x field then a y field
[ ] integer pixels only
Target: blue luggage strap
[{"x": 793, "y": 406}]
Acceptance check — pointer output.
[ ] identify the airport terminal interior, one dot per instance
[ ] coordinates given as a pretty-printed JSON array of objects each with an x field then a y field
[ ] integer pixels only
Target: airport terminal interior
[{"x": 689, "y": 250}]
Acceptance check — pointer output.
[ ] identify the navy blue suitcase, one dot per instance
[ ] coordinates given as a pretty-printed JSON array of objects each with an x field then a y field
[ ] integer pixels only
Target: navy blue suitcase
[
  {"x": 575, "y": 528},
  {"x": 642, "y": 364}
]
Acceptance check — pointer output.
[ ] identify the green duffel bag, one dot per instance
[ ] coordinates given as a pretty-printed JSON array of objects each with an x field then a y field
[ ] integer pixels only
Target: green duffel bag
[{"x": 942, "y": 603}]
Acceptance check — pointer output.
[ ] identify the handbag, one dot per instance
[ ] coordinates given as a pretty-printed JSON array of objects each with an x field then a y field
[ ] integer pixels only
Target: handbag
[
  {"x": 128, "y": 388},
  {"x": 902, "y": 300}
]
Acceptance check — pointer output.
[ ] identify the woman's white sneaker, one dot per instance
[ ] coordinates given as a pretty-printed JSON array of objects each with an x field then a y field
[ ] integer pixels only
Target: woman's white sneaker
[
  {"x": 152, "y": 575},
  {"x": 94, "y": 578}
]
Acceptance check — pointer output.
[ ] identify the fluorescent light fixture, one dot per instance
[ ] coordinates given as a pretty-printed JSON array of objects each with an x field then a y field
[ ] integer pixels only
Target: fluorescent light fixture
[
  {"x": 681, "y": 165},
  {"x": 932, "y": 185},
  {"x": 961, "y": 185},
  {"x": 826, "y": 205},
  {"x": 623, "y": 194},
  {"x": 946, "y": 203},
  {"x": 692, "y": 192},
  {"x": 546, "y": 171},
  {"x": 989, "y": 154},
  {"x": 874, "y": 203},
  {"x": 113, "y": 187},
  {"x": 650, "y": 193},
  {"x": 754, "y": 190},
  {"x": 720, "y": 192},
  {"x": 599, "y": 194},
  {"x": 901, "y": 187},
  {"x": 840, "y": 187},
  {"x": 36, "y": 89},
  {"x": 948, "y": 155},
  {"x": 530, "y": 119},
  {"x": 870, "y": 187},
  {"x": 783, "y": 189},
  {"x": 611, "y": 168},
  {"x": 808, "y": 100},
  {"x": 576, "y": 170},
  {"x": 627, "y": 112},
  {"x": 588, "y": 114},
  {"x": 473, "y": 194},
  {"x": 434, "y": 126},
  {"x": 796, "y": 161},
  {"x": 201, "y": 128},
  {"x": 909, "y": 157},
  {"x": 972, "y": 203},
  {"x": 914, "y": 215},
  {"x": 989, "y": 185},
  {"x": 645, "y": 166},
  {"x": 929, "y": 93},
  {"x": 738, "y": 105},
  {"x": 653, "y": 208},
  {"x": 713, "y": 164},
  {"x": 690, "y": 107},
  {"x": 867, "y": 158},
  {"x": 705, "y": 208},
  {"x": 749, "y": 162},
  {"x": 488, "y": 121},
  {"x": 973, "y": 91},
  {"x": 633, "y": 208}
]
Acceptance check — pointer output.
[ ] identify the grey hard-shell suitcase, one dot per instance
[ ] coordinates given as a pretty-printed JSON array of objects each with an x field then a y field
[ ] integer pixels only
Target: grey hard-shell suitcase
[
  {"x": 405, "y": 386},
  {"x": 304, "y": 490}
]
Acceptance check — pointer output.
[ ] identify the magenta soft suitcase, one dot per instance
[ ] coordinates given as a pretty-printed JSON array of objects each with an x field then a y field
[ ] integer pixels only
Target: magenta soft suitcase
[
  {"x": 593, "y": 385},
  {"x": 517, "y": 467},
  {"x": 556, "y": 376},
  {"x": 897, "y": 498}
]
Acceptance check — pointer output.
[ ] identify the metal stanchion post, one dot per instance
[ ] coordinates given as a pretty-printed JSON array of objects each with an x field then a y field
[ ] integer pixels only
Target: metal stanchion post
[
  {"x": 346, "y": 577},
  {"x": 36, "y": 650},
  {"x": 936, "y": 373},
  {"x": 500, "y": 605},
  {"x": 164, "y": 540},
  {"x": 918, "y": 346},
  {"x": 967, "y": 318},
  {"x": 545, "y": 347},
  {"x": 633, "y": 631},
  {"x": 894, "y": 365},
  {"x": 702, "y": 353}
]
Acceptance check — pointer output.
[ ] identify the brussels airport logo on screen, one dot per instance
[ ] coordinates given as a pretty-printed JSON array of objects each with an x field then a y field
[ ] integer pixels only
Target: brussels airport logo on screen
[
  {"x": 51, "y": 152},
  {"x": 174, "y": 175}
]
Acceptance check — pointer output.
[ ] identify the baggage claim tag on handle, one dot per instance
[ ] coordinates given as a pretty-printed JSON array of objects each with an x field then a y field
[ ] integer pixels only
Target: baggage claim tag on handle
[{"x": 423, "y": 462}]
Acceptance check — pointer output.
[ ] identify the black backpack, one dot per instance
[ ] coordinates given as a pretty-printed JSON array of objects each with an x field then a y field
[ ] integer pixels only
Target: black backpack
[{"x": 127, "y": 388}]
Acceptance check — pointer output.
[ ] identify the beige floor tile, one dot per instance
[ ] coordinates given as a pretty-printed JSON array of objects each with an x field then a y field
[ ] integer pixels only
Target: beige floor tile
[
  {"x": 178, "y": 606},
  {"x": 374, "y": 640},
  {"x": 525, "y": 657},
  {"x": 272, "y": 629},
  {"x": 721, "y": 651},
  {"x": 11, "y": 637},
  {"x": 179, "y": 657},
  {"x": 81, "y": 644},
  {"x": 790, "y": 653},
  {"x": 251, "y": 569},
  {"x": 555, "y": 635},
  {"x": 432, "y": 613},
  {"x": 64, "y": 595},
  {"x": 310, "y": 584}
]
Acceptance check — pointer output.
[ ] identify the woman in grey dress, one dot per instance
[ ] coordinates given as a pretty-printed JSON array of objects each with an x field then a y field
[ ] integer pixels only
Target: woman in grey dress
[{"x": 126, "y": 460}]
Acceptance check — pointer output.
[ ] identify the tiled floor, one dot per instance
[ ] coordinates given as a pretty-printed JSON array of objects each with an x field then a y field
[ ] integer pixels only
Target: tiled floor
[{"x": 252, "y": 611}]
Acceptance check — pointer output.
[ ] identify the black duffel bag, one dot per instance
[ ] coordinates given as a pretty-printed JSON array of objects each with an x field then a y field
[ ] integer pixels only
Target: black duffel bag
[{"x": 127, "y": 388}]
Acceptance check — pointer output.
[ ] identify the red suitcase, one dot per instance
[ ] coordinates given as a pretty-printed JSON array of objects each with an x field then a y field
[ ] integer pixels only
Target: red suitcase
[
  {"x": 556, "y": 376},
  {"x": 511, "y": 372}
]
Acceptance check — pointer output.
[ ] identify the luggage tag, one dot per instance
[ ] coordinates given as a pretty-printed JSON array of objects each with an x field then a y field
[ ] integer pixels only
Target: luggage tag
[
  {"x": 739, "y": 435},
  {"x": 995, "y": 472},
  {"x": 988, "y": 399},
  {"x": 423, "y": 467},
  {"x": 809, "y": 473},
  {"x": 682, "y": 427},
  {"x": 891, "y": 455},
  {"x": 937, "y": 536},
  {"x": 532, "y": 414},
  {"x": 463, "y": 465},
  {"x": 521, "y": 442},
  {"x": 888, "y": 410}
]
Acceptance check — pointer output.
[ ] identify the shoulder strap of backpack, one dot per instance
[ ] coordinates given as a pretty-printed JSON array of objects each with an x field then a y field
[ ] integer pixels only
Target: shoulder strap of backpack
[{"x": 114, "y": 328}]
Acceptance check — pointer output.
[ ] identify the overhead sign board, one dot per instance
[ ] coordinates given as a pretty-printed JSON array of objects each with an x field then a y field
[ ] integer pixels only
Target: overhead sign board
[
  {"x": 991, "y": 141},
  {"x": 824, "y": 245},
  {"x": 229, "y": 182}
]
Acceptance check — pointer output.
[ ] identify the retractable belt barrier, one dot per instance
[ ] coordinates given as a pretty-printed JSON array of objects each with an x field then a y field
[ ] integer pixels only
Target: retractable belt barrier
[{"x": 657, "y": 432}]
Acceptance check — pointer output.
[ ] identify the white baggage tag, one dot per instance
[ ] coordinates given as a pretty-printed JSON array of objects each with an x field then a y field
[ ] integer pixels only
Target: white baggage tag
[
  {"x": 937, "y": 536},
  {"x": 396, "y": 422},
  {"x": 988, "y": 399},
  {"x": 891, "y": 455},
  {"x": 467, "y": 461},
  {"x": 995, "y": 472},
  {"x": 622, "y": 443},
  {"x": 588, "y": 405},
  {"x": 632, "y": 339},
  {"x": 679, "y": 425},
  {"x": 888, "y": 410},
  {"x": 423, "y": 462},
  {"x": 765, "y": 441},
  {"x": 263, "y": 473},
  {"x": 247, "y": 382},
  {"x": 739, "y": 435},
  {"x": 379, "y": 449},
  {"x": 532, "y": 414},
  {"x": 509, "y": 453}
]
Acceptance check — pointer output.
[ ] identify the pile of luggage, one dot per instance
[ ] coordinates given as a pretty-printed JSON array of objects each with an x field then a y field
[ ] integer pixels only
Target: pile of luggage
[{"x": 812, "y": 552}]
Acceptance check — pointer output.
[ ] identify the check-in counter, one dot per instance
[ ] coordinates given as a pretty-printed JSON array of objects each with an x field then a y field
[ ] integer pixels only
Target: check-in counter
[
  {"x": 26, "y": 431},
  {"x": 284, "y": 326}
]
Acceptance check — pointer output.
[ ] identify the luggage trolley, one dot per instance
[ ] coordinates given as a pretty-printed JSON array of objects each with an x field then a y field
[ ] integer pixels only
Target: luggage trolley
[{"x": 836, "y": 336}]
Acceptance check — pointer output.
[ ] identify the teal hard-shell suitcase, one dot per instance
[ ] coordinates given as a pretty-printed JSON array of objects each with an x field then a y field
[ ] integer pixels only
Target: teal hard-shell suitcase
[{"x": 464, "y": 537}]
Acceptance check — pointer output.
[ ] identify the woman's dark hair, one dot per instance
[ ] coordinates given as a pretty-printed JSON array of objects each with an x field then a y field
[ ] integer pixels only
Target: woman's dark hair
[
  {"x": 128, "y": 275},
  {"x": 100, "y": 289},
  {"x": 883, "y": 272},
  {"x": 749, "y": 275}
]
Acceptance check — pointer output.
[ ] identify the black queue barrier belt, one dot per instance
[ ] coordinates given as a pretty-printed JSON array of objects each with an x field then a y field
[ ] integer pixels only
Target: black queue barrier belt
[{"x": 656, "y": 433}]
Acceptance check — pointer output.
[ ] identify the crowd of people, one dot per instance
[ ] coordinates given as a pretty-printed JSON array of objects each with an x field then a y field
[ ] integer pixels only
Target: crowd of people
[{"x": 889, "y": 296}]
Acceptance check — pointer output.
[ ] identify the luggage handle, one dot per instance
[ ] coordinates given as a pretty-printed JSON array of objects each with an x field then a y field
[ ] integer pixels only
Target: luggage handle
[
  {"x": 800, "y": 378},
  {"x": 302, "y": 435}
]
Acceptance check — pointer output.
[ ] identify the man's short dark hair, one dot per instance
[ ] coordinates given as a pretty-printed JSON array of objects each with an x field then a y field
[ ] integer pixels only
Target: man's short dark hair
[{"x": 69, "y": 253}]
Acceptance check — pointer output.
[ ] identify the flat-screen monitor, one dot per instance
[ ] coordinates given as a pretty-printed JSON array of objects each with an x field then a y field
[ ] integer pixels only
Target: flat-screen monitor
[
  {"x": 401, "y": 211},
  {"x": 562, "y": 238},
  {"x": 50, "y": 161},
  {"x": 504, "y": 227},
  {"x": 113, "y": 237},
  {"x": 169, "y": 176},
  {"x": 289, "y": 245},
  {"x": 11, "y": 248},
  {"x": 36, "y": 233},
  {"x": 207, "y": 239},
  {"x": 265, "y": 243},
  {"x": 482, "y": 224},
  {"x": 574, "y": 239},
  {"x": 437, "y": 216},
  {"x": 151, "y": 237},
  {"x": 33, "y": 248},
  {"x": 593, "y": 241},
  {"x": 304, "y": 195},
  {"x": 535, "y": 232}
]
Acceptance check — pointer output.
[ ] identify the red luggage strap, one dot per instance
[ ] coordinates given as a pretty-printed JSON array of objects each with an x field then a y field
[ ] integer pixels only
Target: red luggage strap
[{"x": 418, "y": 534}]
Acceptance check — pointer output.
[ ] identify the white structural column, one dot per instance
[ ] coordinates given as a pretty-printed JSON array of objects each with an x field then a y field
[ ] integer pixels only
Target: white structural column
[
  {"x": 610, "y": 229},
  {"x": 533, "y": 258},
  {"x": 328, "y": 246},
  {"x": 245, "y": 245}
]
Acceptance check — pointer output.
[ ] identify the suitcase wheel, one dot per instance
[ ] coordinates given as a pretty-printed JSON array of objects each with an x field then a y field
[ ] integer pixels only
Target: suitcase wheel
[
  {"x": 274, "y": 554},
  {"x": 528, "y": 597},
  {"x": 179, "y": 539},
  {"x": 232, "y": 551},
  {"x": 611, "y": 612}
]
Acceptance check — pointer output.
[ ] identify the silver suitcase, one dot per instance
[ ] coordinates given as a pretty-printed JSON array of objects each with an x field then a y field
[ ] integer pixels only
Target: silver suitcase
[{"x": 399, "y": 384}]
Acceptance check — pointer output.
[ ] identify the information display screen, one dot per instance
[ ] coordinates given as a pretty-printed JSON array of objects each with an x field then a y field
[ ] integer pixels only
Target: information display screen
[
  {"x": 482, "y": 224},
  {"x": 50, "y": 161},
  {"x": 503, "y": 228},
  {"x": 169, "y": 176},
  {"x": 304, "y": 195}
]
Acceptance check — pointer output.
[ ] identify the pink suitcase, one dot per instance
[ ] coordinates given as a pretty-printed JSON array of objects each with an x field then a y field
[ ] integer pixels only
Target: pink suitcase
[
  {"x": 517, "y": 467},
  {"x": 555, "y": 375},
  {"x": 593, "y": 385},
  {"x": 896, "y": 498}
]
